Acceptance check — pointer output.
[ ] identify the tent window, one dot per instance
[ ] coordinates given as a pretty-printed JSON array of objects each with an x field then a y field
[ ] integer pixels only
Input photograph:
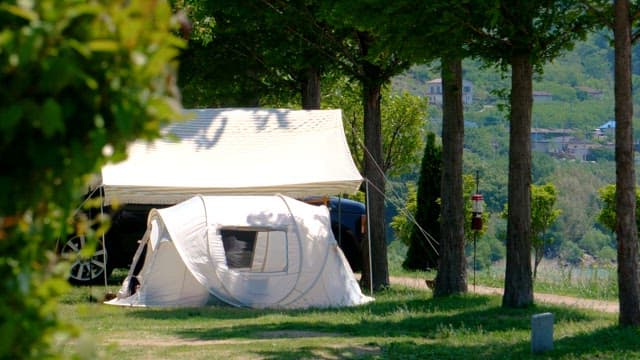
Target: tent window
[{"x": 255, "y": 250}]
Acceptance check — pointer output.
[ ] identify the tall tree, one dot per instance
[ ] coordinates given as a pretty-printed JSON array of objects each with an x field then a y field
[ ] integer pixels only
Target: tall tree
[
  {"x": 372, "y": 77},
  {"x": 626, "y": 228},
  {"x": 371, "y": 55},
  {"x": 624, "y": 14},
  {"x": 523, "y": 35},
  {"x": 452, "y": 267},
  {"x": 422, "y": 27}
]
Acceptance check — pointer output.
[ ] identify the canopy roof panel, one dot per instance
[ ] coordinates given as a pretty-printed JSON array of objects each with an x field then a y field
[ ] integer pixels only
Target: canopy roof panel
[{"x": 237, "y": 151}]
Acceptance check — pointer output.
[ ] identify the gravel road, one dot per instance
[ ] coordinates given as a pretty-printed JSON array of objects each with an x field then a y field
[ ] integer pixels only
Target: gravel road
[{"x": 598, "y": 305}]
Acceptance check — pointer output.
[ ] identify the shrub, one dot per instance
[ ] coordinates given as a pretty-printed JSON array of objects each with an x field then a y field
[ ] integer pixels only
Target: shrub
[
  {"x": 607, "y": 255},
  {"x": 571, "y": 253},
  {"x": 79, "y": 81}
]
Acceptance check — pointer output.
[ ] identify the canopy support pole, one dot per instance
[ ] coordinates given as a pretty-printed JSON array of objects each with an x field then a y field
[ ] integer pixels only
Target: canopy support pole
[
  {"x": 104, "y": 244},
  {"x": 339, "y": 221}
]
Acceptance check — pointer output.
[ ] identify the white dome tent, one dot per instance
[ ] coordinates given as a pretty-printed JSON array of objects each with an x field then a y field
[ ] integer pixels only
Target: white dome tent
[{"x": 250, "y": 251}]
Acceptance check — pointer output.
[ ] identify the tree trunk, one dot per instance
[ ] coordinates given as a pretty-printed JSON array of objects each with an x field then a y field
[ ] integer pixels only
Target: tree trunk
[
  {"x": 626, "y": 227},
  {"x": 452, "y": 267},
  {"x": 310, "y": 89},
  {"x": 518, "y": 287},
  {"x": 538, "y": 253},
  {"x": 375, "y": 189}
]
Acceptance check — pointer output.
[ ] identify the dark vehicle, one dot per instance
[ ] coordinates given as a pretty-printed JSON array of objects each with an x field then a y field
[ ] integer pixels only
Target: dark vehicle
[
  {"x": 129, "y": 222},
  {"x": 349, "y": 225}
]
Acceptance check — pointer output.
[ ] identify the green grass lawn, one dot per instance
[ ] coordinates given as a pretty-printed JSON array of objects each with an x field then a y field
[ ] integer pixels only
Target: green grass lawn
[{"x": 402, "y": 323}]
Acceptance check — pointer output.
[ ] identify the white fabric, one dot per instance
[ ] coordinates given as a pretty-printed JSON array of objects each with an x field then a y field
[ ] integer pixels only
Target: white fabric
[
  {"x": 237, "y": 151},
  {"x": 186, "y": 265}
]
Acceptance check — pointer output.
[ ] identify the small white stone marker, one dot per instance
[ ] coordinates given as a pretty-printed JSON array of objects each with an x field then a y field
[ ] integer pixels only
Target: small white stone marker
[{"x": 541, "y": 332}]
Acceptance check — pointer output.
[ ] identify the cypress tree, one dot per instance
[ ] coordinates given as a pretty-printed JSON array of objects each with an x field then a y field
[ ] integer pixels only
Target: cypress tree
[{"x": 423, "y": 250}]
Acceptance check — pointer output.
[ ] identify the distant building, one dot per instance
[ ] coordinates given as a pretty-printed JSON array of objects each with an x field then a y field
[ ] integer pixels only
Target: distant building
[
  {"x": 561, "y": 143},
  {"x": 542, "y": 96},
  {"x": 604, "y": 130},
  {"x": 585, "y": 92},
  {"x": 549, "y": 140},
  {"x": 608, "y": 126},
  {"x": 434, "y": 92}
]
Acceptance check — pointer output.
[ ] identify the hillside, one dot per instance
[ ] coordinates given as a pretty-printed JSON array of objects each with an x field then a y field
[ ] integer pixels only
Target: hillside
[{"x": 580, "y": 85}]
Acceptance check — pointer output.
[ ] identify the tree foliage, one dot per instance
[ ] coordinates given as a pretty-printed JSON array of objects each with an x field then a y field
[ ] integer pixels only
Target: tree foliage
[
  {"x": 424, "y": 245},
  {"x": 577, "y": 185},
  {"x": 402, "y": 223},
  {"x": 79, "y": 81},
  {"x": 607, "y": 214},
  {"x": 543, "y": 214},
  {"x": 403, "y": 121},
  {"x": 245, "y": 52},
  {"x": 418, "y": 224}
]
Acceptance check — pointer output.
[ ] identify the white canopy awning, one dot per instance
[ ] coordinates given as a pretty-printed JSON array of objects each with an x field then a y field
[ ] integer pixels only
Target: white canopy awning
[{"x": 240, "y": 152}]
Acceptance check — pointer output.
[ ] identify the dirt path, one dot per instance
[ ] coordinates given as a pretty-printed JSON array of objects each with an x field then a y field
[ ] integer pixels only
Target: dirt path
[{"x": 599, "y": 305}]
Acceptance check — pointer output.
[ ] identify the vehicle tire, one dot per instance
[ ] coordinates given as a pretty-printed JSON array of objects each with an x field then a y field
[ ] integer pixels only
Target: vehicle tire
[{"x": 86, "y": 271}]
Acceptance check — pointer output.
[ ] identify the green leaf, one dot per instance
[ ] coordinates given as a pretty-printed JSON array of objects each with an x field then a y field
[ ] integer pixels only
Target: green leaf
[
  {"x": 103, "y": 45},
  {"x": 52, "y": 122},
  {"x": 19, "y": 12},
  {"x": 10, "y": 116}
]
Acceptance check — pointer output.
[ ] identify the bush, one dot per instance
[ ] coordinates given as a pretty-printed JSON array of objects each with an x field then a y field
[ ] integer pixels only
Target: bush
[
  {"x": 607, "y": 255},
  {"x": 488, "y": 251},
  {"x": 601, "y": 154},
  {"x": 79, "y": 81},
  {"x": 571, "y": 253},
  {"x": 593, "y": 241}
]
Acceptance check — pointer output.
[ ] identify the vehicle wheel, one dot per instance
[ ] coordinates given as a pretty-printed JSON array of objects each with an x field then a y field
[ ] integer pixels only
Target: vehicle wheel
[{"x": 85, "y": 271}]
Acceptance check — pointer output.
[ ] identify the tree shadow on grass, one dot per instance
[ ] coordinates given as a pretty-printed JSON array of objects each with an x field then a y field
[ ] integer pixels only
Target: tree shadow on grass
[
  {"x": 605, "y": 343},
  {"x": 412, "y": 314},
  {"x": 399, "y": 301},
  {"x": 403, "y": 350},
  {"x": 313, "y": 352},
  {"x": 403, "y": 324}
]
